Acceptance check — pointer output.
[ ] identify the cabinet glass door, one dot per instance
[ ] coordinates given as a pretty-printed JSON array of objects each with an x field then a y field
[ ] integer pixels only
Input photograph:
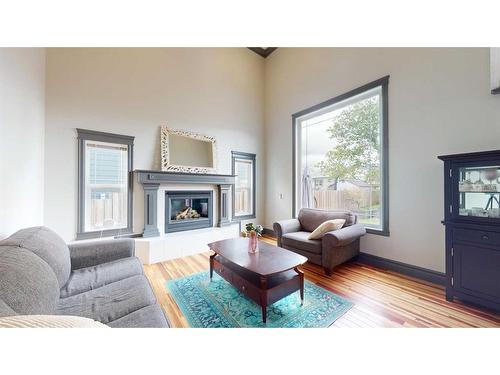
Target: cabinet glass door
[{"x": 479, "y": 191}]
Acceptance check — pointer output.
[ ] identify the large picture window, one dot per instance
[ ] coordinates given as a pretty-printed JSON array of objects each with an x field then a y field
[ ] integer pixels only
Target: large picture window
[
  {"x": 105, "y": 199},
  {"x": 243, "y": 167},
  {"x": 340, "y": 155}
]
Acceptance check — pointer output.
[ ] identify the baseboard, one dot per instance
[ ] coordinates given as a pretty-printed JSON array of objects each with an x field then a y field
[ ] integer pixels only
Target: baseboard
[
  {"x": 403, "y": 268},
  {"x": 392, "y": 265},
  {"x": 269, "y": 233}
]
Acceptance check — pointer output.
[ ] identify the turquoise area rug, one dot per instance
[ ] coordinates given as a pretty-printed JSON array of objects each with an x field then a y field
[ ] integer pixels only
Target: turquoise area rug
[{"x": 217, "y": 304}]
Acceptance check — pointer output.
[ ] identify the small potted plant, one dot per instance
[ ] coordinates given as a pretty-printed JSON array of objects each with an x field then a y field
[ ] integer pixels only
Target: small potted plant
[{"x": 252, "y": 232}]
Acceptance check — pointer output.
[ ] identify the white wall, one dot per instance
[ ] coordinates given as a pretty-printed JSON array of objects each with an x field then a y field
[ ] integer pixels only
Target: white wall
[
  {"x": 216, "y": 91},
  {"x": 22, "y": 116},
  {"x": 439, "y": 103}
]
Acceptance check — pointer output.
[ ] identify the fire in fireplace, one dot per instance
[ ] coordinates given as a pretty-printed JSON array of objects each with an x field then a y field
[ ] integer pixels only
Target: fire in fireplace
[{"x": 186, "y": 210}]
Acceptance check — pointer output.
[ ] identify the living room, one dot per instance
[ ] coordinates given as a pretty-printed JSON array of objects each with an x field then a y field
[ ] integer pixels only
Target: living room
[{"x": 180, "y": 186}]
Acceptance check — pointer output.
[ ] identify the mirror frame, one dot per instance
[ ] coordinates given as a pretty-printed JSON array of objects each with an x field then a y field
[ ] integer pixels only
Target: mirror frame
[{"x": 165, "y": 155}]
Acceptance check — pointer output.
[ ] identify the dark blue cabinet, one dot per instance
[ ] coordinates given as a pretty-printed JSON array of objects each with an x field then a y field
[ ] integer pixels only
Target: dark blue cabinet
[{"x": 472, "y": 220}]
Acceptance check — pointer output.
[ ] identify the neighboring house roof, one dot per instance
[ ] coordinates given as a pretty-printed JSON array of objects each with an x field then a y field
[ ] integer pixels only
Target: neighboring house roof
[
  {"x": 357, "y": 183},
  {"x": 361, "y": 184}
]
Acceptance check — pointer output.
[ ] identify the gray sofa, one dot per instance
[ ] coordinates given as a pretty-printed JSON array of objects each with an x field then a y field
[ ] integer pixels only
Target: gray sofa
[
  {"x": 333, "y": 249},
  {"x": 101, "y": 280}
]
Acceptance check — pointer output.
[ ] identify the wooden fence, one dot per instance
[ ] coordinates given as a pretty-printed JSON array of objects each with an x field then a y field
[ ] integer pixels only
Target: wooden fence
[
  {"x": 345, "y": 199},
  {"x": 108, "y": 210},
  {"x": 242, "y": 200}
]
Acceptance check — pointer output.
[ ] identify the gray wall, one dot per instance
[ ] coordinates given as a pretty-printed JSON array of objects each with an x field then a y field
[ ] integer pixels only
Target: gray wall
[
  {"x": 22, "y": 116},
  {"x": 439, "y": 103},
  {"x": 215, "y": 91}
]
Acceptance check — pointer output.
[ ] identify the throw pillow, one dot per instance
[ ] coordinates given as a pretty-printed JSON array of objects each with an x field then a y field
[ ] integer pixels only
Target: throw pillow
[
  {"x": 326, "y": 227},
  {"x": 49, "y": 321}
]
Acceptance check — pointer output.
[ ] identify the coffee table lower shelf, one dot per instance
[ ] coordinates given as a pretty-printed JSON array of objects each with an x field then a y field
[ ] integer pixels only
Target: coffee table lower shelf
[{"x": 264, "y": 290}]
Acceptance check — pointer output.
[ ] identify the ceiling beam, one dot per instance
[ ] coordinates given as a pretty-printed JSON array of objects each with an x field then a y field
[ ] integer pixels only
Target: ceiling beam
[{"x": 264, "y": 52}]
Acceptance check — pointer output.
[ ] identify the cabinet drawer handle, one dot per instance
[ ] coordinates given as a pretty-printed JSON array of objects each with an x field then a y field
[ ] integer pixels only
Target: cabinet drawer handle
[{"x": 485, "y": 237}]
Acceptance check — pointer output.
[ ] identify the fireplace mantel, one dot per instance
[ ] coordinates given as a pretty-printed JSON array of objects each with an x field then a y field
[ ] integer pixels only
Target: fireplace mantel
[
  {"x": 146, "y": 177},
  {"x": 151, "y": 181}
]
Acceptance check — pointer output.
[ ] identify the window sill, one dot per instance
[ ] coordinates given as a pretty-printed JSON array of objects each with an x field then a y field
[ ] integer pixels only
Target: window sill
[
  {"x": 103, "y": 234},
  {"x": 379, "y": 232},
  {"x": 246, "y": 217}
]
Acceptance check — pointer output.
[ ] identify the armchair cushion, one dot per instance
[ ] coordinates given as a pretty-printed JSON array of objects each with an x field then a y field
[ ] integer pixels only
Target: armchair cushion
[
  {"x": 89, "y": 278},
  {"x": 5, "y": 309},
  {"x": 344, "y": 236},
  {"x": 28, "y": 284},
  {"x": 110, "y": 302},
  {"x": 150, "y": 316},
  {"x": 311, "y": 218},
  {"x": 299, "y": 240},
  {"x": 45, "y": 244},
  {"x": 92, "y": 253}
]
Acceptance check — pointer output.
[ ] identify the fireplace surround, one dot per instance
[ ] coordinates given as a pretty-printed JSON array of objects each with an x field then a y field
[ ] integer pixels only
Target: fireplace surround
[{"x": 151, "y": 181}]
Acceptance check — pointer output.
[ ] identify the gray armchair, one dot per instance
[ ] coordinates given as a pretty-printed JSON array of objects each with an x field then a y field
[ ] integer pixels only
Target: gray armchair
[
  {"x": 100, "y": 280},
  {"x": 333, "y": 249}
]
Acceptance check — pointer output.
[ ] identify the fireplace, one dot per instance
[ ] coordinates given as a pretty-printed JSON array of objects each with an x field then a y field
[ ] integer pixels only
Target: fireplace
[{"x": 186, "y": 210}]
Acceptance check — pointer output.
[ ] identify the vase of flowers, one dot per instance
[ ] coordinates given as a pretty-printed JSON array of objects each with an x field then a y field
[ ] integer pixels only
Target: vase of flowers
[{"x": 253, "y": 232}]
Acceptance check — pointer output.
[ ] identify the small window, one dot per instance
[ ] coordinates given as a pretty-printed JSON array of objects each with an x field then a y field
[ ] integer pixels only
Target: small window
[
  {"x": 243, "y": 167},
  {"x": 341, "y": 155},
  {"x": 105, "y": 196}
]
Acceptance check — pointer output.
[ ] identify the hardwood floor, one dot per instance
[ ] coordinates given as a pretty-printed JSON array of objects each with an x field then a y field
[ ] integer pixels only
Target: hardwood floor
[{"x": 382, "y": 298}]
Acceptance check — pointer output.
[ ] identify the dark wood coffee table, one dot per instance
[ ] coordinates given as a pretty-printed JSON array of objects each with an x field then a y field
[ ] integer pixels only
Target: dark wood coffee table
[{"x": 265, "y": 277}]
